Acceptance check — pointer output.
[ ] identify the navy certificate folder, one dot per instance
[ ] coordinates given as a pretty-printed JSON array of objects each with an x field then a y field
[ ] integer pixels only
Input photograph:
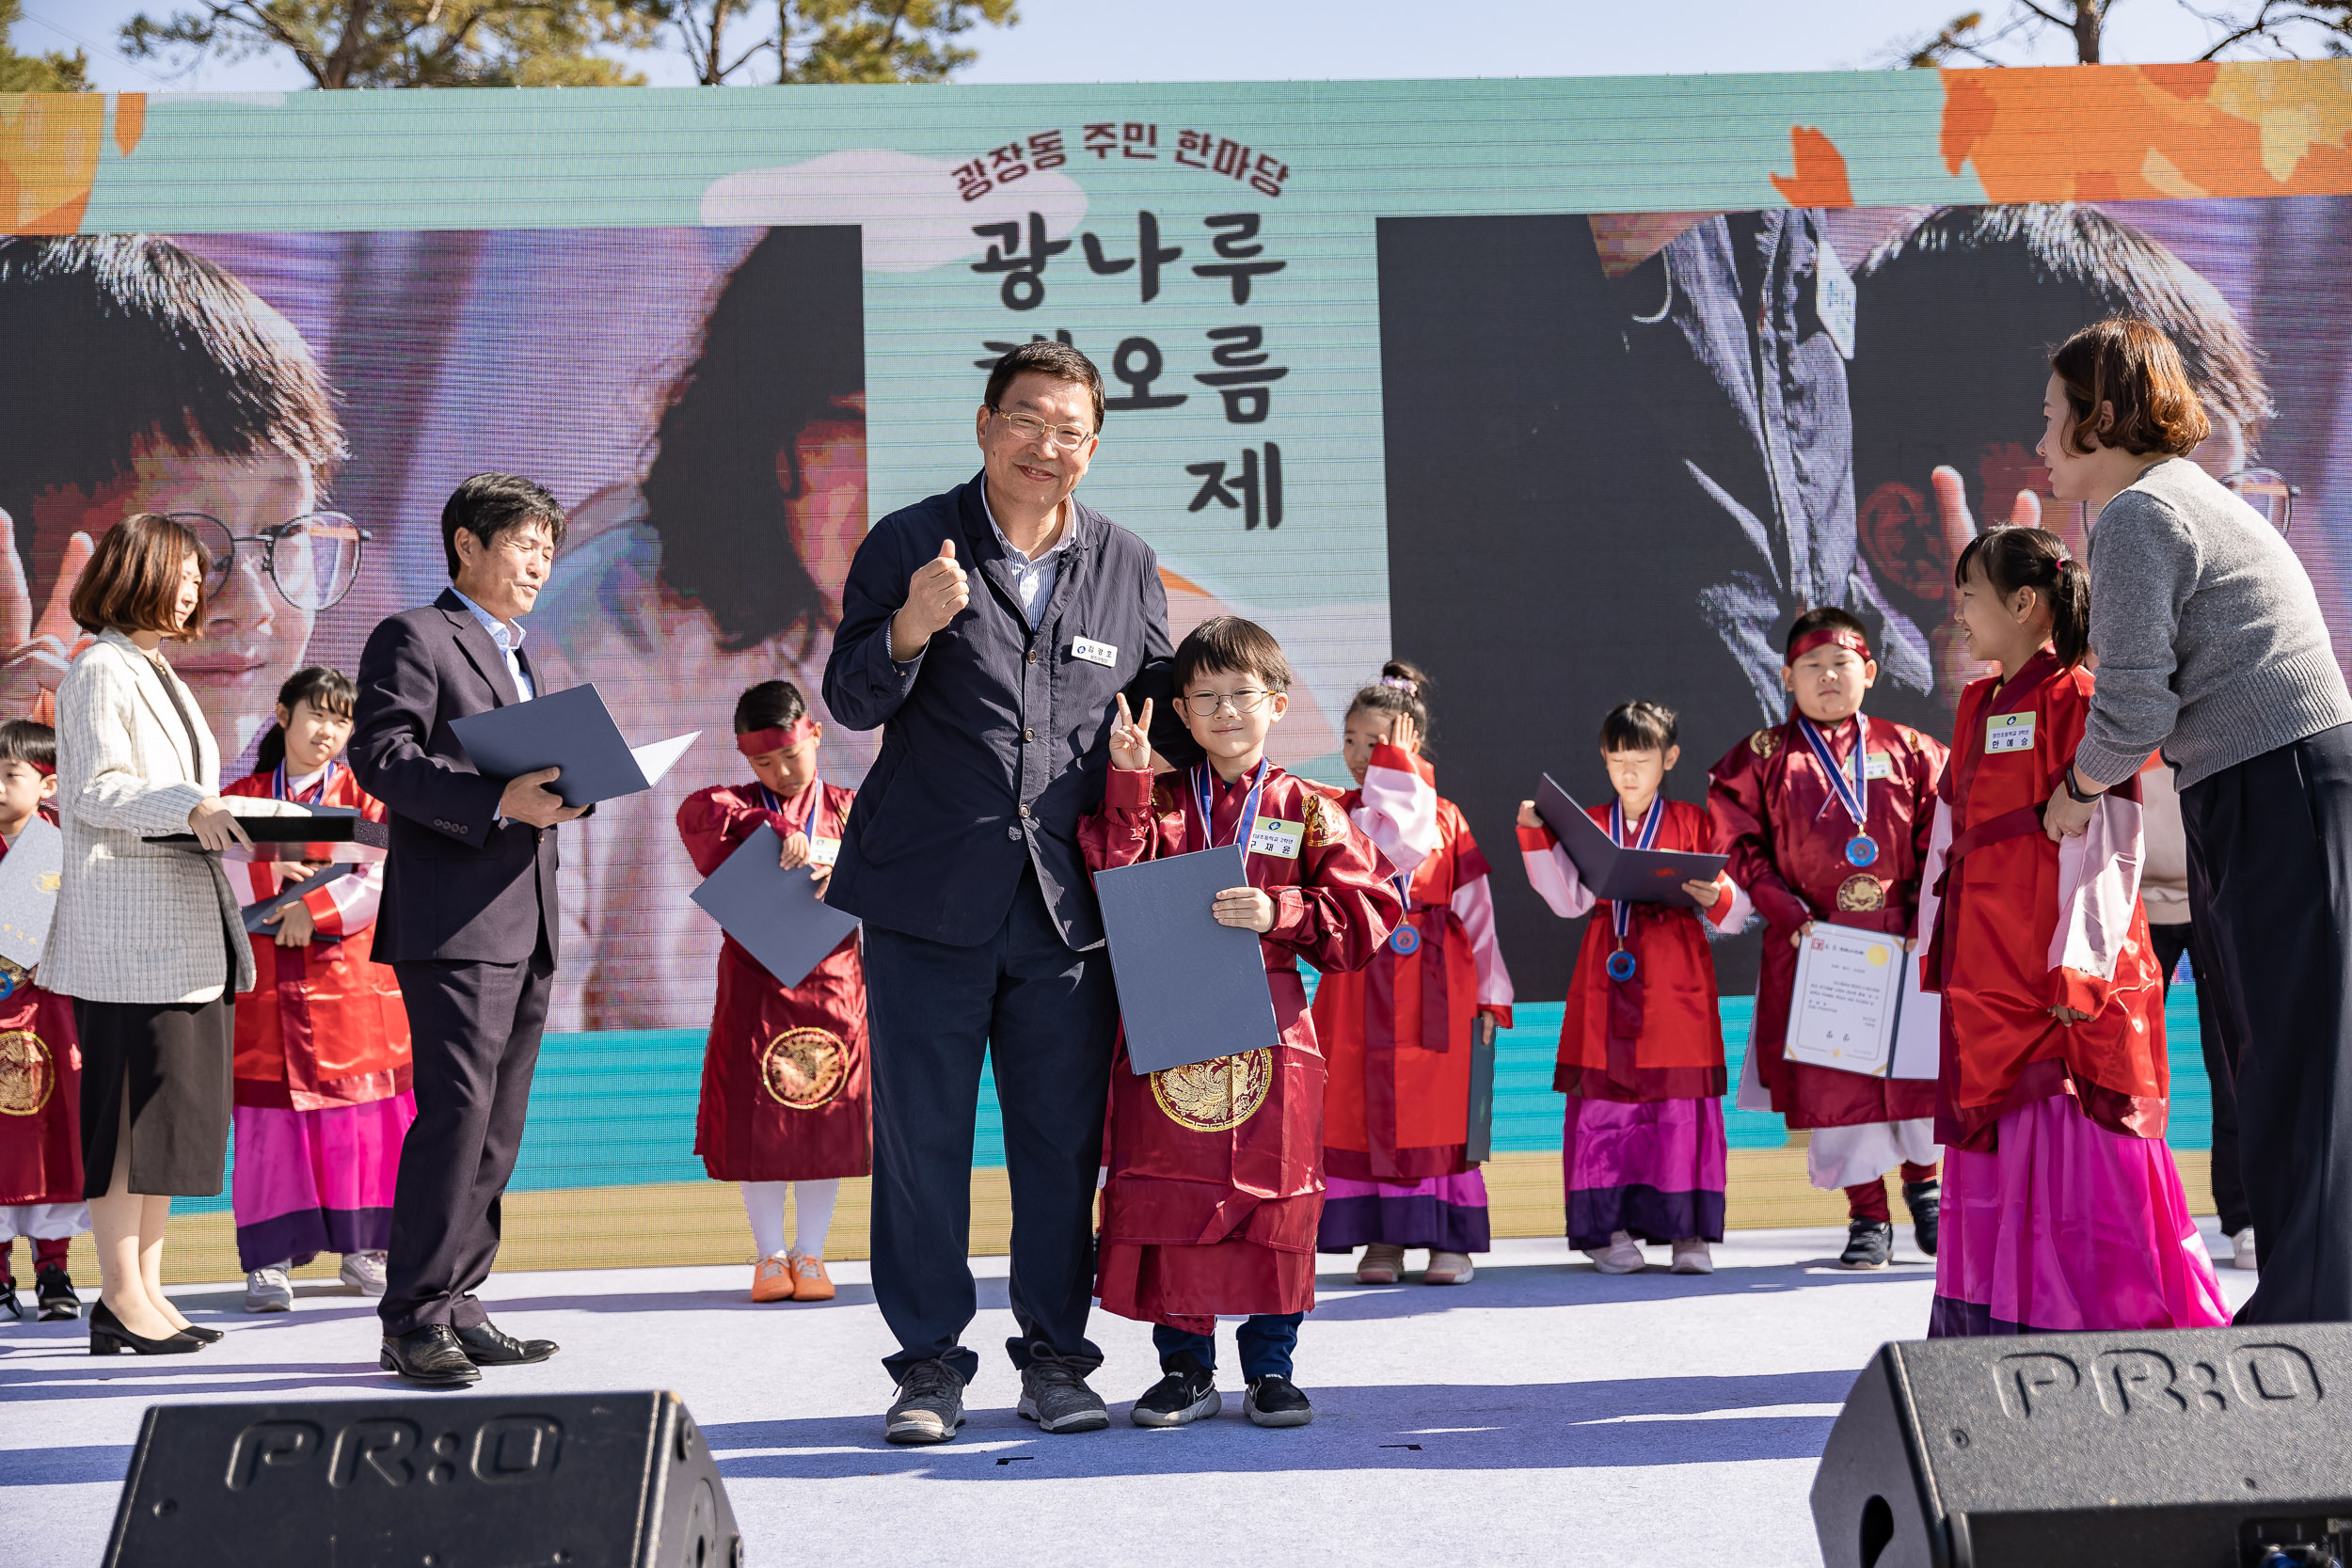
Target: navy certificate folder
[
  {"x": 1610, "y": 871},
  {"x": 1189, "y": 989},
  {"x": 574, "y": 731},
  {"x": 28, "y": 890},
  {"x": 775, "y": 913}
]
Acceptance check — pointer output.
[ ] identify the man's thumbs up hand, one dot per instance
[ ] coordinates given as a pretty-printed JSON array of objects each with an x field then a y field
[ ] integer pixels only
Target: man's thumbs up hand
[{"x": 936, "y": 594}]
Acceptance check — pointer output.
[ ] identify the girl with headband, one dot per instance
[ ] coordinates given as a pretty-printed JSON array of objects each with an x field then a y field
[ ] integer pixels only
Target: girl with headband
[{"x": 784, "y": 1098}]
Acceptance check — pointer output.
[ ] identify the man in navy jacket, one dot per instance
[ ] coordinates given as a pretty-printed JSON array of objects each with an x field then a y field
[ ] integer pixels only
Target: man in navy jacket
[{"x": 988, "y": 631}]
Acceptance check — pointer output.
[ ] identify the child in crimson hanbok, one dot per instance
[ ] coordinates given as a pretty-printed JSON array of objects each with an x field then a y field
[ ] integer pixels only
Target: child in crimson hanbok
[
  {"x": 784, "y": 1098},
  {"x": 1641, "y": 1041},
  {"x": 1827, "y": 817},
  {"x": 1215, "y": 1181},
  {"x": 321, "y": 1093},
  {"x": 1399, "y": 1034},
  {"x": 2062, "y": 1207},
  {"x": 40, "y": 1071}
]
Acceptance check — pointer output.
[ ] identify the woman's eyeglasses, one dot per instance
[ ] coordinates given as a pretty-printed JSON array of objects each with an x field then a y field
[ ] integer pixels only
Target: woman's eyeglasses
[
  {"x": 312, "y": 560},
  {"x": 2267, "y": 492},
  {"x": 1205, "y": 705}
]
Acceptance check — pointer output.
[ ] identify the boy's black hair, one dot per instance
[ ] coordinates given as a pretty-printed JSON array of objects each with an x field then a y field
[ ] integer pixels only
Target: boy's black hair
[
  {"x": 118, "y": 338},
  {"x": 28, "y": 741},
  {"x": 1821, "y": 617},
  {"x": 1235, "y": 646},
  {"x": 486, "y": 505},
  {"x": 327, "y": 690},
  {"x": 770, "y": 705},
  {"x": 1638, "y": 726}
]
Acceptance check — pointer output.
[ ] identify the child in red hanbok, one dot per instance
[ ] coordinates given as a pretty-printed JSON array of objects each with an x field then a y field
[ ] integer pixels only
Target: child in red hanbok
[
  {"x": 1398, "y": 1034},
  {"x": 321, "y": 1094},
  {"x": 1214, "y": 1177},
  {"x": 2062, "y": 1207},
  {"x": 1642, "y": 1043},
  {"x": 40, "y": 1071},
  {"x": 1827, "y": 817},
  {"x": 784, "y": 1098}
]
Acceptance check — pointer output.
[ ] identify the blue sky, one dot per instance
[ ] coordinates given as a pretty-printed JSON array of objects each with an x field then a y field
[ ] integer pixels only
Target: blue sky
[{"x": 1127, "y": 40}]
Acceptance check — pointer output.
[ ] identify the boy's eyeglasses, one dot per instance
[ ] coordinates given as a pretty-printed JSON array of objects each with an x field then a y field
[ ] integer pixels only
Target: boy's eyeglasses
[
  {"x": 2267, "y": 492},
  {"x": 312, "y": 560},
  {"x": 1205, "y": 705},
  {"x": 1051, "y": 437}
]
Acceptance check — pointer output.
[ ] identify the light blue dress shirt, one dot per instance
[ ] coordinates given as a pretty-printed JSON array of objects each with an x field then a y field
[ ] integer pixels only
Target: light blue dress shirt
[
  {"x": 1032, "y": 581},
  {"x": 509, "y": 641}
]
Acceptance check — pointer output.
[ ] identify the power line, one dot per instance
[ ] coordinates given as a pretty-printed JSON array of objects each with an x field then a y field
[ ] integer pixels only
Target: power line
[{"x": 92, "y": 43}]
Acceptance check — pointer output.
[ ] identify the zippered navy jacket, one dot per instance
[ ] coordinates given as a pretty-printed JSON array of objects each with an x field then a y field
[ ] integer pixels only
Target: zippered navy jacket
[{"x": 997, "y": 738}]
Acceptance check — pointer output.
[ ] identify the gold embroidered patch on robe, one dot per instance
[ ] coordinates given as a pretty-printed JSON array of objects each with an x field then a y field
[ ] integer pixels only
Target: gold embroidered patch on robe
[
  {"x": 1214, "y": 1095},
  {"x": 28, "y": 1075},
  {"x": 805, "y": 1068}
]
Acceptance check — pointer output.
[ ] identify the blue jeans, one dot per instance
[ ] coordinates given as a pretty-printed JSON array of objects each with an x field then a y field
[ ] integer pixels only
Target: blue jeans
[{"x": 1266, "y": 1340}]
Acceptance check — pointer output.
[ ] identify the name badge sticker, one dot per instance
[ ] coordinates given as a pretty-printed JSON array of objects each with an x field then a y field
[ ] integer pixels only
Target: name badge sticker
[
  {"x": 2008, "y": 732},
  {"x": 1278, "y": 838},
  {"x": 824, "y": 851},
  {"x": 1093, "y": 652},
  {"x": 1881, "y": 766}
]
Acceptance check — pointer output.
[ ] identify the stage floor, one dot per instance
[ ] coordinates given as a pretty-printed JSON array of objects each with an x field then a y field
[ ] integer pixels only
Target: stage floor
[{"x": 1543, "y": 1413}]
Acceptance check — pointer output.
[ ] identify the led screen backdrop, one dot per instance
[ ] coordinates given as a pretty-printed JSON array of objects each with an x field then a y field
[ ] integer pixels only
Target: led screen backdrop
[{"x": 1571, "y": 391}]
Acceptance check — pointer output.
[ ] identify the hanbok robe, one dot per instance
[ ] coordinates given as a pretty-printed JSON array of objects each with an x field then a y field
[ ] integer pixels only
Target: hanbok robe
[
  {"x": 1397, "y": 1036},
  {"x": 2062, "y": 1207},
  {"x": 40, "y": 1141},
  {"x": 322, "y": 1061},
  {"x": 1778, "y": 816},
  {"x": 1215, "y": 1171},
  {"x": 786, "y": 1093},
  {"x": 1641, "y": 1060}
]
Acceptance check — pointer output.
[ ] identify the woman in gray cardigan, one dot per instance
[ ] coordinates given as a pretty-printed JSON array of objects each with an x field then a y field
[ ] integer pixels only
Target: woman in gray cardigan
[
  {"x": 147, "y": 939},
  {"x": 2211, "y": 644}
]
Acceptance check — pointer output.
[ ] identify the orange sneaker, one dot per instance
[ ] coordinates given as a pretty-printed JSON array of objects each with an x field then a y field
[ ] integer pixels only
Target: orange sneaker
[
  {"x": 772, "y": 1279},
  {"x": 809, "y": 1281}
]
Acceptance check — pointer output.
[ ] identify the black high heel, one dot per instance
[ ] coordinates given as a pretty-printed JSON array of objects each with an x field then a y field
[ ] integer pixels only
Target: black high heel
[
  {"x": 107, "y": 1336},
  {"x": 201, "y": 1335}
]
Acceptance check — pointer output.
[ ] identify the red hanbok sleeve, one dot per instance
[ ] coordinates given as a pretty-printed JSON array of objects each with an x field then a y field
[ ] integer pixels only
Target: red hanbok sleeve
[
  {"x": 714, "y": 823},
  {"x": 1344, "y": 904},
  {"x": 1738, "y": 792},
  {"x": 1126, "y": 828}
]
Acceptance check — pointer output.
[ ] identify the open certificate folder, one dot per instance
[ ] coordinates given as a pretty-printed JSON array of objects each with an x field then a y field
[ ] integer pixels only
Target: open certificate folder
[
  {"x": 574, "y": 731},
  {"x": 1857, "y": 1006}
]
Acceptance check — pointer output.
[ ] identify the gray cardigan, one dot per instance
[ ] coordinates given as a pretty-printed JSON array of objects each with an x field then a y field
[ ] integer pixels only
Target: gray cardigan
[{"x": 2209, "y": 636}]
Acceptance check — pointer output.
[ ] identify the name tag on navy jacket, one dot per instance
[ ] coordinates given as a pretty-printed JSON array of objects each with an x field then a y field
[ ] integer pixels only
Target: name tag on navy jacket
[{"x": 1093, "y": 652}]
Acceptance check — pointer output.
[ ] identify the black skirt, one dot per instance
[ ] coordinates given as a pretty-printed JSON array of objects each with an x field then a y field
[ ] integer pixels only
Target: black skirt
[{"x": 176, "y": 1061}]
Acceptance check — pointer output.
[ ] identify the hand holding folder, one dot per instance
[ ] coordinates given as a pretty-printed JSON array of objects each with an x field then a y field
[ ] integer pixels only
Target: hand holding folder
[
  {"x": 778, "y": 916},
  {"x": 571, "y": 731},
  {"x": 1611, "y": 870},
  {"x": 1189, "y": 988}
]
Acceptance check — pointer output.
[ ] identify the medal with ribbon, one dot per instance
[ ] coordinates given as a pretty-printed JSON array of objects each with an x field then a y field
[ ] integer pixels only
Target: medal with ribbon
[
  {"x": 278, "y": 784},
  {"x": 808, "y": 818},
  {"x": 1405, "y": 939},
  {"x": 1849, "y": 786},
  {"x": 1203, "y": 800},
  {"x": 1623, "y": 965}
]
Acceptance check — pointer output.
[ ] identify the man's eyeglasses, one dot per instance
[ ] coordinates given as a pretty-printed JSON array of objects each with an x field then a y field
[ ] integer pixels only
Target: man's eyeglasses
[
  {"x": 313, "y": 560},
  {"x": 1205, "y": 705},
  {"x": 1050, "y": 436},
  {"x": 2267, "y": 492}
]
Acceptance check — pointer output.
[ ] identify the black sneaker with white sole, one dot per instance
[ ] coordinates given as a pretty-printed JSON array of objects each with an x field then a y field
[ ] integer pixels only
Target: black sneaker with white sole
[
  {"x": 1870, "y": 1245},
  {"x": 930, "y": 1408},
  {"x": 1054, "y": 1395},
  {"x": 1275, "y": 1401},
  {"x": 1925, "y": 1200},
  {"x": 1186, "y": 1395}
]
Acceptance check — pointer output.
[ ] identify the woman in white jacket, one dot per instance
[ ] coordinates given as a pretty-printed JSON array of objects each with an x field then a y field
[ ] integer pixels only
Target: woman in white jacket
[{"x": 146, "y": 938}]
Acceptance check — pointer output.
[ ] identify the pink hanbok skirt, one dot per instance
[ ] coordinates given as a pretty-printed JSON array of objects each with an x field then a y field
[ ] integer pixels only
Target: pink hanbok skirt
[
  {"x": 1654, "y": 1167},
  {"x": 312, "y": 1182},
  {"x": 2066, "y": 1225},
  {"x": 1447, "y": 1213}
]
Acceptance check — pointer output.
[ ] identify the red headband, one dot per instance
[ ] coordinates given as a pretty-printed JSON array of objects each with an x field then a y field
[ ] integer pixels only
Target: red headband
[
  {"x": 1844, "y": 637},
  {"x": 758, "y": 743},
  {"x": 44, "y": 770}
]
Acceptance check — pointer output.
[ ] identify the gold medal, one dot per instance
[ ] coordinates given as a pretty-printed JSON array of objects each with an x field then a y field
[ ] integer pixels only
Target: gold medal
[
  {"x": 1214, "y": 1095},
  {"x": 28, "y": 1075},
  {"x": 804, "y": 1069},
  {"x": 1861, "y": 893}
]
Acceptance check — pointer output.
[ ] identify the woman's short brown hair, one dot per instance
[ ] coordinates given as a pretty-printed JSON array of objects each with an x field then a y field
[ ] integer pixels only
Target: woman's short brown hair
[
  {"x": 2133, "y": 368},
  {"x": 133, "y": 583}
]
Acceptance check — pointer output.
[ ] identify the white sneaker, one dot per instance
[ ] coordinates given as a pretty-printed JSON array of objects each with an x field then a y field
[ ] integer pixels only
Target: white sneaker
[
  {"x": 364, "y": 1272},
  {"x": 1622, "y": 1255},
  {"x": 1691, "y": 1256},
  {"x": 2242, "y": 1248},
  {"x": 267, "y": 1288}
]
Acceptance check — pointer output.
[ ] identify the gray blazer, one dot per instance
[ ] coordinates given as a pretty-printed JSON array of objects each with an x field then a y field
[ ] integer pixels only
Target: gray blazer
[{"x": 137, "y": 922}]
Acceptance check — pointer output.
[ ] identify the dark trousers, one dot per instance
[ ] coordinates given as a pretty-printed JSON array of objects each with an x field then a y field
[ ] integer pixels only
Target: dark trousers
[
  {"x": 1266, "y": 1341},
  {"x": 2270, "y": 892},
  {"x": 2220, "y": 1050},
  {"x": 475, "y": 1027},
  {"x": 1047, "y": 1019}
]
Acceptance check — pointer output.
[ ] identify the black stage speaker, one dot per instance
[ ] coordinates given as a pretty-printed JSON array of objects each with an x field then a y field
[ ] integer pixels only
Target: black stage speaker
[
  {"x": 571, "y": 1481},
  {"x": 2217, "y": 1448}
]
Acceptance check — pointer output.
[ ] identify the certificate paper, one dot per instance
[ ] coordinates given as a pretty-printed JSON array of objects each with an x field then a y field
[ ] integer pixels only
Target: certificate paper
[{"x": 1848, "y": 1010}]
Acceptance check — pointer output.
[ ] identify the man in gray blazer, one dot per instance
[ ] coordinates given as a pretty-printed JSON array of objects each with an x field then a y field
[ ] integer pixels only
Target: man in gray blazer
[{"x": 468, "y": 920}]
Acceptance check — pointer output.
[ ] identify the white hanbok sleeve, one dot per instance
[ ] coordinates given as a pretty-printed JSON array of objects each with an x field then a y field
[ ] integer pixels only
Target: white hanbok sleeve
[
  {"x": 2098, "y": 888},
  {"x": 1474, "y": 905},
  {"x": 1399, "y": 813},
  {"x": 1553, "y": 877}
]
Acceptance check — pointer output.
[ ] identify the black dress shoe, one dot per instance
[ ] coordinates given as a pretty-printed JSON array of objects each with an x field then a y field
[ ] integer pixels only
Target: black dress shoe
[
  {"x": 488, "y": 1345},
  {"x": 1925, "y": 1199},
  {"x": 59, "y": 1302},
  {"x": 202, "y": 1336},
  {"x": 9, "y": 1302},
  {"x": 107, "y": 1336},
  {"x": 429, "y": 1356}
]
